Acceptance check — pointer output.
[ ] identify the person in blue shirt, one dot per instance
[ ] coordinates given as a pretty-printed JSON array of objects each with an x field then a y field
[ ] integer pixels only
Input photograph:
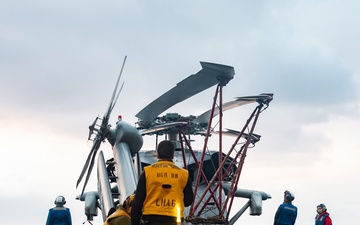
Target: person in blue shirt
[
  {"x": 59, "y": 215},
  {"x": 286, "y": 213}
]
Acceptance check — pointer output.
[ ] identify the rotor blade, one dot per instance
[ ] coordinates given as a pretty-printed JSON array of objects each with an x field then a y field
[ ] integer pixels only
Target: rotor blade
[
  {"x": 112, "y": 102},
  {"x": 101, "y": 135},
  {"x": 257, "y": 98},
  {"x": 92, "y": 127},
  {"x": 204, "y": 118},
  {"x": 93, "y": 150},
  {"x": 161, "y": 127},
  {"x": 234, "y": 133},
  {"x": 89, "y": 171},
  {"x": 208, "y": 76},
  {"x": 117, "y": 96}
]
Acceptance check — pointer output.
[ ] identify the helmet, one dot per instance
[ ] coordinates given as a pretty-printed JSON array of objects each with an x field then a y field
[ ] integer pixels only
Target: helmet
[
  {"x": 60, "y": 200},
  {"x": 322, "y": 206},
  {"x": 128, "y": 202},
  {"x": 289, "y": 196}
]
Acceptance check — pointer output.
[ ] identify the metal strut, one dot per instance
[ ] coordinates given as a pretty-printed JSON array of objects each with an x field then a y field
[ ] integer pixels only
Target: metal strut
[{"x": 214, "y": 185}]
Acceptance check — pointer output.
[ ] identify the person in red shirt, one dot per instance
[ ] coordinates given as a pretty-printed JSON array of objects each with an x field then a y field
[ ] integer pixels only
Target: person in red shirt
[{"x": 322, "y": 217}]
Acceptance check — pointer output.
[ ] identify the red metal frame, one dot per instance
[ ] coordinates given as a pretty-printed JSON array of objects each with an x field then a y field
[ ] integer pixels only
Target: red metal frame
[{"x": 224, "y": 206}]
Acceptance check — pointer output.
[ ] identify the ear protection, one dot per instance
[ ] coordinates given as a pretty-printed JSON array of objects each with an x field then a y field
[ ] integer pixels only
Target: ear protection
[
  {"x": 322, "y": 206},
  {"x": 60, "y": 200},
  {"x": 289, "y": 196}
]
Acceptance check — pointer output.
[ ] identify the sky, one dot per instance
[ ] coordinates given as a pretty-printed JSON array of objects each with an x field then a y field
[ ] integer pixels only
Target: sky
[{"x": 59, "y": 61}]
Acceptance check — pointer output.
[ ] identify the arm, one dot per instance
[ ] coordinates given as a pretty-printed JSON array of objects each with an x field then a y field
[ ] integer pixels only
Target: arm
[
  {"x": 295, "y": 214},
  {"x": 188, "y": 193},
  {"x": 69, "y": 216},
  {"x": 48, "y": 220},
  {"x": 327, "y": 221},
  {"x": 137, "y": 204},
  {"x": 277, "y": 216}
]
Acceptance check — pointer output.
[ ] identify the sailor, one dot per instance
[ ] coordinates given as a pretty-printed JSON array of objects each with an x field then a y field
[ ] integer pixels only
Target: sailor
[
  {"x": 286, "y": 213},
  {"x": 122, "y": 214},
  {"x": 163, "y": 190},
  {"x": 322, "y": 217},
  {"x": 59, "y": 215}
]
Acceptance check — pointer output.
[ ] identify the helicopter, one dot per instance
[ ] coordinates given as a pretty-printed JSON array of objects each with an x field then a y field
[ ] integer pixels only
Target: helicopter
[{"x": 215, "y": 173}]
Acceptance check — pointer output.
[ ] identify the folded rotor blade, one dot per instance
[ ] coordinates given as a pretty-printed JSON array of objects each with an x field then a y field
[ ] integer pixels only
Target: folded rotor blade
[
  {"x": 257, "y": 98},
  {"x": 205, "y": 78},
  {"x": 162, "y": 127},
  {"x": 234, "y": 133},
  {"x": 204, "y": 118}
]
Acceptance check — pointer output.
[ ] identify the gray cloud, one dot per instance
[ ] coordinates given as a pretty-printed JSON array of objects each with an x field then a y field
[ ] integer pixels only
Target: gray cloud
[{"x": 59, "y": 62}]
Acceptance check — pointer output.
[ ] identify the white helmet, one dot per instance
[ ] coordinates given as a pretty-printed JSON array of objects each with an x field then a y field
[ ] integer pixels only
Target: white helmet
[
  {"x": 60, "y": 200},
  {"x": 289, "y": 196}
]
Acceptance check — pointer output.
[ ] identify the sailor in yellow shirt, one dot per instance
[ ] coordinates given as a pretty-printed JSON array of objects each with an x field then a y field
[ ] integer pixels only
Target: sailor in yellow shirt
[
  {"x": 163, "y": 190},
  {"x": 122, "y": 215}
]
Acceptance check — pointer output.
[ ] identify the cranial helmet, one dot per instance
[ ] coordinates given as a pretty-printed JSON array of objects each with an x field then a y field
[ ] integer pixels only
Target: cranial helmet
[
  {"x": 289, "y": 196},
  {"x": 60, "y": 200},
  {"x": 322, "y": 206},
  {"x": 128, "y": 202}
]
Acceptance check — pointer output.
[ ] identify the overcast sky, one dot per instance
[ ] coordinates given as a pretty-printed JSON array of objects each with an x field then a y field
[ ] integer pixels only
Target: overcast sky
[{"x": 59, "y": 61}]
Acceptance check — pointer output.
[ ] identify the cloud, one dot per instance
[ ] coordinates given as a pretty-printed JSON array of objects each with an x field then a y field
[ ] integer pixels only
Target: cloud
[{"x": 59, "y": 63}]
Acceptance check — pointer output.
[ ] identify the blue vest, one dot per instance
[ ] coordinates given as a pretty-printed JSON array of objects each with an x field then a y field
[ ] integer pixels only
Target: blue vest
[{"x": 321, "y": 220}]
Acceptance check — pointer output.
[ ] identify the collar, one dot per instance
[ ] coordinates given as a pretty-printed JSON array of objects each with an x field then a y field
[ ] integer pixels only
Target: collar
[{"x": 165, "y": 160}]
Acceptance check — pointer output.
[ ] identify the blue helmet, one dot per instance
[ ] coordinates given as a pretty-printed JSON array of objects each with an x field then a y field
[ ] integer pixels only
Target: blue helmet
[{"x": 289, "y": 196}]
